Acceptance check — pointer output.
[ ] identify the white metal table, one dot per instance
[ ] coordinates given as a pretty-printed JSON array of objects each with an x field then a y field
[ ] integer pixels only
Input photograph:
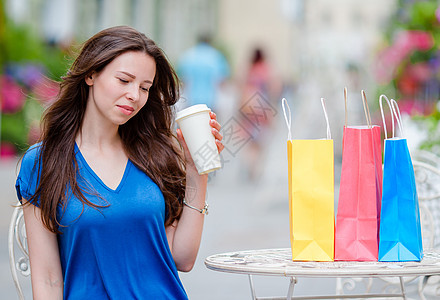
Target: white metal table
[{"x": 278, "y": 262}]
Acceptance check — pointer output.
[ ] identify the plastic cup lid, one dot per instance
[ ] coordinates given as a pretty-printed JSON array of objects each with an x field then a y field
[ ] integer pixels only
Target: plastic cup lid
[{"x": 192, "y": 110}]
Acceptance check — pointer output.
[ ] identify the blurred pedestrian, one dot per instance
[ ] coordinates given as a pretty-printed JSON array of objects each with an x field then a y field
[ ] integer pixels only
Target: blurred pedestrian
[
  {"x": 113, "y": 208},
  {"x": 260, "y": 91},
  {"x": 202, "y": 70}
]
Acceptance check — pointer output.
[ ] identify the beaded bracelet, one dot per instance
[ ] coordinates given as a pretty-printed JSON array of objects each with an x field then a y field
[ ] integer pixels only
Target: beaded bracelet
[{"x": 203, "y": 211}]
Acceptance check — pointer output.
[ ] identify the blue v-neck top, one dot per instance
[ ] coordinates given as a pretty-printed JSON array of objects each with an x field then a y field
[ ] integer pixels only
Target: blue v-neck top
[{"x": 115, "y": 252}]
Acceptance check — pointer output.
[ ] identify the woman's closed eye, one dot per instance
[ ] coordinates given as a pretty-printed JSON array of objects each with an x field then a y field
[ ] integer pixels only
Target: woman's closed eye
[{"x": 125, "y": 81}]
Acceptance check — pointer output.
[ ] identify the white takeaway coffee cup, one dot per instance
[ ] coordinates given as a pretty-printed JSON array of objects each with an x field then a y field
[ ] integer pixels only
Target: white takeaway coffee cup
[{"x": 194, "y": 123}]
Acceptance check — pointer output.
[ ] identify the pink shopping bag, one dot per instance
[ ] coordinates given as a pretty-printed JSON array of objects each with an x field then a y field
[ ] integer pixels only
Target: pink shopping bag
[{"x": 358, "y": 216}]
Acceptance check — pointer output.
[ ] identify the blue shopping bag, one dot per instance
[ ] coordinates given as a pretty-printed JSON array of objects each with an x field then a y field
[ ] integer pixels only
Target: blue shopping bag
[{"x": 400, "y": 237}]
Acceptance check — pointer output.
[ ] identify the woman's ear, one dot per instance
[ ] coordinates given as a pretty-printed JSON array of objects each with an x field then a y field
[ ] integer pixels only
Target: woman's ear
[{"x": 90, "y": 78}]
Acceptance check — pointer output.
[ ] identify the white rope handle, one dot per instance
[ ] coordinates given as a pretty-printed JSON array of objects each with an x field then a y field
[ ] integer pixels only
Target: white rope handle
[
  {"x": 396, "y": 111},
  {"x": 329, "y": 134},
  {"x": 345, "y": 98},
  {"x": 383, "y": 117},
  {"x": 366, "y": 109},
  {"x": 288, "y": 118}
]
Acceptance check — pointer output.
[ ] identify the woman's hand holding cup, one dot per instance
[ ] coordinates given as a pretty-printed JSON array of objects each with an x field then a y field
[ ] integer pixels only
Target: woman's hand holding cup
[{"x": 202, "y": 144}]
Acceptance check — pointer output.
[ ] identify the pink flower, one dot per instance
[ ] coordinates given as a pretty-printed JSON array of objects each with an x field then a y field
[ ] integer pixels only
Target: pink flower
[
  {"x": 387, "y": 62},
  {"x": 421, "y": 40},
  {"x": 410, "y": 40},
  {"x": 421, "y": 71},
  {"x": 405, "y": 43},
  {"x": 408, "y": 85},
  {"x": 7, "y": 150},
  {"x": 413, "y": 106},
  {"x": 12, "y": 97},
  {"x": 413, "y": 78}
]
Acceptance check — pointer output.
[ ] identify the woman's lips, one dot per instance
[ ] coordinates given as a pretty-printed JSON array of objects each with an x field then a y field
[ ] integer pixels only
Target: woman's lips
[{"x": 125, "y": 109}]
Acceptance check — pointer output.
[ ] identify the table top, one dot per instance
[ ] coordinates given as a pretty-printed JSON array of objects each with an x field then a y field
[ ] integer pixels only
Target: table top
[{"x": 279, "y": 262}]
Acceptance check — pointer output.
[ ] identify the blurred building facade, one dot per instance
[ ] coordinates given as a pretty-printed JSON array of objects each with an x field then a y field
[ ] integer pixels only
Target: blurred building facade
[
  {"x": 341, "y": 37},
  {"x": 307, "y": 41},
  {"x": 173, "y": 24}
]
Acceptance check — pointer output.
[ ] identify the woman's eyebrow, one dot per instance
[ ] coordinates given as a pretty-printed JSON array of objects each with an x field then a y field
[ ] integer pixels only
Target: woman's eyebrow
[{"x": 128, "y": 74}]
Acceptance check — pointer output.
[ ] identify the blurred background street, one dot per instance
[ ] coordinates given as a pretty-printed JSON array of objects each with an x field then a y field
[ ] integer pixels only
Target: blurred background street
[{"x": 264, "y": 50}]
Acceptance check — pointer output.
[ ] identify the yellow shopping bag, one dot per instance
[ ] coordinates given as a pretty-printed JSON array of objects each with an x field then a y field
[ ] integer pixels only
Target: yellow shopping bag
[{"x": 311, "y": 195}]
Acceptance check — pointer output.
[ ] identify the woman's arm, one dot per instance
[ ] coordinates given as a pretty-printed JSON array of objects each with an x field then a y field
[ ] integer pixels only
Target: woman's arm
[
  {"x": 184, "y": 236},
  {"x": 46, "y": 274}
]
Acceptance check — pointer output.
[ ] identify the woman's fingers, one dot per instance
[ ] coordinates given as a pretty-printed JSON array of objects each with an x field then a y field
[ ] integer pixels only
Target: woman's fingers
[
  {"x": 217, "y": 134},
  {"x": 180, "y": 135},
  {"x": 216, "y": 131},
  {"x": 213, "y": 122},
  {"x": 220, "y": 146},
  {"x": 182, "y": 142}
]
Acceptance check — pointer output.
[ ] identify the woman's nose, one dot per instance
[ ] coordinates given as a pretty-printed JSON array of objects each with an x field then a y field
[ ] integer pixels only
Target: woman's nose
[{"x": 133, "y": 92}]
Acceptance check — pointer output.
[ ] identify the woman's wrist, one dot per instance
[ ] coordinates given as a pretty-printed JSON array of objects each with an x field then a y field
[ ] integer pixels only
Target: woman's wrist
[
  {"x": 192, "y": 174},
  {"x": 203, "y": 211},
  {"x": 196, "y": 185}
]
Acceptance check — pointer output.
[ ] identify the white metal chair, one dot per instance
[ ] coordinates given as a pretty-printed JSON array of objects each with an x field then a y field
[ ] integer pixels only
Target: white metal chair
[
  {"x": 426, "y": 157},
  {"x": 17, "y": 246},
  {"x": 428, "y": 189},
  {"x": 427, "y": 175}
]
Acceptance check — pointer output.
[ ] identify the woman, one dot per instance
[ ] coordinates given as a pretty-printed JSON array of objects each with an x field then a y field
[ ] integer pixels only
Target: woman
[{"x": 103, "y": 190}]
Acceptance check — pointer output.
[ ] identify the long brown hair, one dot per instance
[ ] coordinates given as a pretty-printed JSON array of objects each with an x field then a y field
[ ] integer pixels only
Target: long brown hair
[{"x": 147, "y": 137}]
